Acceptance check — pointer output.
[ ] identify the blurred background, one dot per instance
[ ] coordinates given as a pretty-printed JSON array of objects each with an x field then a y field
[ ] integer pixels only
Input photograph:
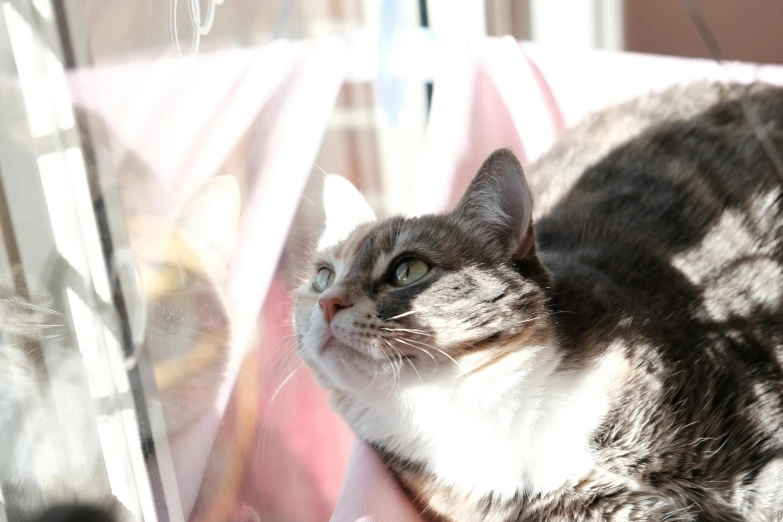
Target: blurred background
[{"x": 161, "y": 164}]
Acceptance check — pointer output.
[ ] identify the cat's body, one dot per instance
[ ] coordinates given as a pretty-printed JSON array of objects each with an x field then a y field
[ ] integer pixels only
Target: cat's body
[{"x": 622, "y": 363}]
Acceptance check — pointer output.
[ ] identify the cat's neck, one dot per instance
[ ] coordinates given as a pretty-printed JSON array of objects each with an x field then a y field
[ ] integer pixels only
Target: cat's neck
[{"x": 522, "y": 424}]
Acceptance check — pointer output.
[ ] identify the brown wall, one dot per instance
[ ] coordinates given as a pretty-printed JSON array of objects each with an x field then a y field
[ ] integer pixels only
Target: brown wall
[{"x": 747, "y": 30}]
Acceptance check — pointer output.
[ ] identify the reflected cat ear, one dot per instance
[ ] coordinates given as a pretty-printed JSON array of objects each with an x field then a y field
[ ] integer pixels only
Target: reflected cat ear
[
  {"x": 498, "y": 202},
  {"x": 210, "y": 218},
  {"x": 345, "y": 209}
]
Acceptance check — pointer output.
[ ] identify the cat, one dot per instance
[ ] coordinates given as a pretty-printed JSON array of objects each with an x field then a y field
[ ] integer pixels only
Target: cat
[
  {"x": 49, "y": 455},
  {"x": 598, "y": 338},
  {"x": 190, "y": 323},
  {"x": 183, "y": 262}
]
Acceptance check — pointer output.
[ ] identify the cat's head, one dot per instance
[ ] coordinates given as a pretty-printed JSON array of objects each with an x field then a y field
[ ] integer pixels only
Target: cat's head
[
  {"x": 183, "y": 264},
  {"x": 408, "y": 301}
]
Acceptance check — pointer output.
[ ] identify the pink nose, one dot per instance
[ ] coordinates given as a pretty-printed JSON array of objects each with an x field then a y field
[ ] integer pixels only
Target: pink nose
[{"x": 331, "y": 305}]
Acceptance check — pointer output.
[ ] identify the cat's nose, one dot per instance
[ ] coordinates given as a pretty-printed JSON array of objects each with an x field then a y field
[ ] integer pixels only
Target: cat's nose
[{"x": 331, "y": 304}]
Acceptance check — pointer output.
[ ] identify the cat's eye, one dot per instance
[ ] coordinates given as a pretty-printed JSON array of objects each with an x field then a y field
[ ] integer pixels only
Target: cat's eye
[
  {"x": 323, "y": 280},
  {"x": 409, "y": 271}
]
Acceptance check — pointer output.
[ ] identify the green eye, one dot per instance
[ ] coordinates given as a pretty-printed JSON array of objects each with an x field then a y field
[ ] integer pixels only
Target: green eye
[
  {"x": 409, "y": 271},
  {"x": 323, "y": 280}
]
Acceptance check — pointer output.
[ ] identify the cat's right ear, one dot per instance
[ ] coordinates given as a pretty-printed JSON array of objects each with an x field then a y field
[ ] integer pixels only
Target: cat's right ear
[
  {"x": 345, "y": 209},
  {"x": 497, "y": 203}
]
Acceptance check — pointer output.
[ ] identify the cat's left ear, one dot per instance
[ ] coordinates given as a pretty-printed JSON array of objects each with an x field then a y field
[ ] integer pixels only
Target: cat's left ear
[
  {"x": 210, "y": 218},
  {"x": 345, "y": 209},
  {"x": 497, "y": 202}
]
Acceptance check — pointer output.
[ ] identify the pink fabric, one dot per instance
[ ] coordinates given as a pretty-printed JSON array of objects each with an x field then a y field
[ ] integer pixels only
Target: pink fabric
[
  {"x": 370, "y": 493},
  {"x": 183, "y": 117},
  {"x": 495, "y": 93},
  {"x": 294, "y": 470}
]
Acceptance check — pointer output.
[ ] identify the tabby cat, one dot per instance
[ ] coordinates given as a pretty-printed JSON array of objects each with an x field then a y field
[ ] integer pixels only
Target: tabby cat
[{"x": 611, "y": 354}]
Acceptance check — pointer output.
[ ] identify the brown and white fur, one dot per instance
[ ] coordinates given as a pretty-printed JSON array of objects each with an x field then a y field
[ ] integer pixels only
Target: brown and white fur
[{"x": 614, "y": 355}]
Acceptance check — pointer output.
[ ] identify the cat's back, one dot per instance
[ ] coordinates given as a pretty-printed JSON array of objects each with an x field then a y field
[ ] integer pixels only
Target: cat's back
[
  {"x": 689, "y": 199},
  {"x": 667, "y": 241}
]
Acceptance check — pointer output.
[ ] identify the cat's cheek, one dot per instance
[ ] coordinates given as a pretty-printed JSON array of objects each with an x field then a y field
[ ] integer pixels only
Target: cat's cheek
[{"x": 451, "y": 330}]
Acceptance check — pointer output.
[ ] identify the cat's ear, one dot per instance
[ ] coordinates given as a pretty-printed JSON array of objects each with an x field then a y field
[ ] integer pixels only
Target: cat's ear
[
  {"x": 345, "y": 209},
  {"x": 209, "y": 219},
  {"x": 498, "y": 203}
]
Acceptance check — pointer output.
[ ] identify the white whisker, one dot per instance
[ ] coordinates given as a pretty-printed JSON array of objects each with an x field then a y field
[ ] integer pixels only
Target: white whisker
[
  {"x": 406, "y": 313},
  {"x": 461, "y": 369},
  {"x": 38, "y": 308},
  {"x": 407, "y": 330},
  {"x": 398, "y": 374},
  {"x": 374, "y": 376},
  {"x": 391, "y": 390},
  {"x": 413, "y": 366},
  {"x": 422, "y": 350},
  {"x": 290, "y": 375},
  {"x": 263, "y": 436},
  {"x": 415, "y": 311}
]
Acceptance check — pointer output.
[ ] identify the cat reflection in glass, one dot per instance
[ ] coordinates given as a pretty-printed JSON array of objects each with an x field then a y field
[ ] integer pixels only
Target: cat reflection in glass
[
  {"x": 596, "y": 338},
  {"x": 50, "y": 452}
]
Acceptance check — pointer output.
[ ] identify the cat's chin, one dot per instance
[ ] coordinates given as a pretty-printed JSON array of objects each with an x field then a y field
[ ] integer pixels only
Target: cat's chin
[
  {"x": 344, "y": 365},
  {"x": 354, "y": 371},
  {"x": 333, "y": 347}
]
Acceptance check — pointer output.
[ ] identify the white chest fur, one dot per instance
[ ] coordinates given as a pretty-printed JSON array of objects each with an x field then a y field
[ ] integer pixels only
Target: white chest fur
[{"x": 515, "y": 426}]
